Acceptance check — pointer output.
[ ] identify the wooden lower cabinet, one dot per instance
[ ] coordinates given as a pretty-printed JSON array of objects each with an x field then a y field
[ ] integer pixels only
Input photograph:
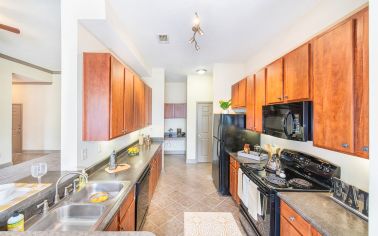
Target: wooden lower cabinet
[
  {"x": 233, "y": 175},
  {"x": 292, "y": 224},
  {"x": 124, "y": 220},
  {"x": 156, "y": 167}
]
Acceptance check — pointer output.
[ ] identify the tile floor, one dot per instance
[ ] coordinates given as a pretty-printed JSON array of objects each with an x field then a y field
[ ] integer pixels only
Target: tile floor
[
  {"x": 184, "y": 188},
  {"x": 18, "y": 158}
]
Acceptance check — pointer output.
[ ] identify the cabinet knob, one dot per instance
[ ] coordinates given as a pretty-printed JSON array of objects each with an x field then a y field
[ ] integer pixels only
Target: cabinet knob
[
  {"x": 345, "y": 145},
  {"x": 291, "y": 218},
  {"x": 365, "y": 148},
  {"x": 286, "y": 97},
  {"x": 279, "y": 98}
]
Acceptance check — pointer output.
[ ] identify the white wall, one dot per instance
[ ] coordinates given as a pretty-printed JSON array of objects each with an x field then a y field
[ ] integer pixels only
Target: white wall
[
  {"x": 224, "y": 76},
  {"x": 373, "y": 112},
  {"x": 40, "y": 114},
  {"x": 354, "y": 170},
  {"x": 6, "y": 70},
  {"x": 175, "y": 92},
  {"x": 199, "y": 89}
]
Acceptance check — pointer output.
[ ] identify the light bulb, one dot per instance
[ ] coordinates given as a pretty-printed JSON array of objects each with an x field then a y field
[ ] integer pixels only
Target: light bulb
[{"x": 196, "y": 20}]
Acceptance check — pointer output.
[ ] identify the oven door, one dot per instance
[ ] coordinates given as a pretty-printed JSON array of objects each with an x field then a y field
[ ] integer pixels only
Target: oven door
[{"x": 265, "y": 223}]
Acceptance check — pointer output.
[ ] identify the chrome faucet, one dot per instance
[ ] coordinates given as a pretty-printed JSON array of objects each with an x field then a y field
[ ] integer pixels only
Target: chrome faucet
[{"x": 57, "y": 199}]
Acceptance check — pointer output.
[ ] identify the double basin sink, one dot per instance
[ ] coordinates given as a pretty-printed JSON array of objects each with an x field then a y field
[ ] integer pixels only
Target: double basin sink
[{"x": 76, "y": 213}]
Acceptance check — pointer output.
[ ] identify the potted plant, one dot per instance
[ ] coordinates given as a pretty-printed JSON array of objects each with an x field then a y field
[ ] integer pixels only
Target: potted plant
[{"x": 225, "y": 105}]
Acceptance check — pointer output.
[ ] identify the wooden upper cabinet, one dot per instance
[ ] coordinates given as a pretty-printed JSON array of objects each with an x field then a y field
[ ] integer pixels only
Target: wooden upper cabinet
[
  {"x": 259, "y": 99},
  {"x": 333, "y": 89},
  {"x": 180, "y": 110},
  {"x": 116, "y": 98},
  {"x": 242, "y": 89},
  {"x": 235, "y": 95},
  {"x": 147, "y": 104},
  {"x": 297, "y": 74},
  {"x": 250, "y": 103},
  {"x": 129, "y": 101},
  {"x": 274, "y": 82},
  {"x": 361, "y": 86},
  {"x": 168, "y": 111}
]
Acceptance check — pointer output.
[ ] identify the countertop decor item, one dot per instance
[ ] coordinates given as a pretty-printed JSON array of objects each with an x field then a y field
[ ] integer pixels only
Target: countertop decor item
[
  {"x": 120, "y": 167},
  {"x": 225, "y": 105},
  {"x": 133, "y": 151}
]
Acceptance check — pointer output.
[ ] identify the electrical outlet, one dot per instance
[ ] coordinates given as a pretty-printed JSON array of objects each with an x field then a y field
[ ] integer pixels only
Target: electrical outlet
[
  {"x": 99, "y": 148},
  {"x": 84, "y": 154}
]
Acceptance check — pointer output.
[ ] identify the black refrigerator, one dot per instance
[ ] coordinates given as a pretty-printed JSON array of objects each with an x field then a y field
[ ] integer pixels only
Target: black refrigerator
[{"x": 229, "y": 134}]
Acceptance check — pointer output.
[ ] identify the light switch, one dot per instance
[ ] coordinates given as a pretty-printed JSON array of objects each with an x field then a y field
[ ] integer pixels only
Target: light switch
[{"x": 84, "y": 154}]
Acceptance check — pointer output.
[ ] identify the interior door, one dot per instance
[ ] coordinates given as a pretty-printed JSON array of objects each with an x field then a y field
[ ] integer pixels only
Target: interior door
[
  {"x": 17, "y": 128},
  {"x": 204, "y": 134}
]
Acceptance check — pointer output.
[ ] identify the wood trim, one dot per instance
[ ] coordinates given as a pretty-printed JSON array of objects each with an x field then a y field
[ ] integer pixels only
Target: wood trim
[
  {"x": 10, "y": 29},
  {"x": 33, "y": 83}
]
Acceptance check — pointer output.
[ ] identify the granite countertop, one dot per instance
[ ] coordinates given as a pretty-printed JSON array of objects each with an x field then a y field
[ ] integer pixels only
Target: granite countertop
[{"x": 324, "y": 214}]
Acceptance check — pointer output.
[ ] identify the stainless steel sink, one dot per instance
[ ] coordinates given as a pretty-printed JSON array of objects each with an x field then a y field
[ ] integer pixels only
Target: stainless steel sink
[
  {"x": 75, "y": 213},
  {"x": 113, "y": 188},
  {"x": 71, "y": 217}
]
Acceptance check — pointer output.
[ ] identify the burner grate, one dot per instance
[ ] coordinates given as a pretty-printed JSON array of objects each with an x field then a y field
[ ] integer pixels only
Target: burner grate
[
  {"x": 273, "y": 179},
  {"x": 300, "y": 183}
]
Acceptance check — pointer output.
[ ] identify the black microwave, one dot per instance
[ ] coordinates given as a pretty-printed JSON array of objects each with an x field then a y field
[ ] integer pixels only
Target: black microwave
[{"x": 289, "y": 121}]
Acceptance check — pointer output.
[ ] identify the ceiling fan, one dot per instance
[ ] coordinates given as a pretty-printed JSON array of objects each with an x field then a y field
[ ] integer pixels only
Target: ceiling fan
[{"x": 10, "y": 28}]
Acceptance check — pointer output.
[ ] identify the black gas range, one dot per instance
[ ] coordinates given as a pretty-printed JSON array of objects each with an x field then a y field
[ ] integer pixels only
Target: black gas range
[{"x": 302, "y": 172}]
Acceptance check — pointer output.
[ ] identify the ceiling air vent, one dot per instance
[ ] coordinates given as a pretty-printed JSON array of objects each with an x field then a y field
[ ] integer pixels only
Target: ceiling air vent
[{"x": 163, "y": 38}]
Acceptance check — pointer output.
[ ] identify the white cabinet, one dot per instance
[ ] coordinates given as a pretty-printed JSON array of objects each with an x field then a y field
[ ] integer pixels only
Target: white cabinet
[{"x": 174, "y": 146}]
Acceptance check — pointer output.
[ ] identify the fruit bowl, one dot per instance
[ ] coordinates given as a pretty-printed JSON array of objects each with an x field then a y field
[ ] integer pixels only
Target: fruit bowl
[{"x": 133, "y": 151}]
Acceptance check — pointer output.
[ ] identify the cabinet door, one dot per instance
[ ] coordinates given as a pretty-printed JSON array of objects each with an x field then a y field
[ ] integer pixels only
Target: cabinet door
[
  {"x": 286, "y": 229},
  {"x": 128, "y": 116},
  {"x": 297, "y": 74},
  {"x": 232, "y": 181},
  {"x": 274, "y": 82},
  {"x": 168, "y": 111},
  {"x": 259, "y": 99},
  {"x": 362, "y": 85},
  {"x": 117, "y": 80},
  {"x": 250, "y": 103},
  {"x": 180, "y": 110},
  {"x": 146, "y": 105},
  {"x": 235, "y": 95},
  {"x": 96, "y": 96},
  {"x": 138, "y": 103},
  {"x": 150, "y": 107},
  {"x": 127, "y": 223},
  {"x": 333, "y": 89},
  {"x": 242, "y": 88}
]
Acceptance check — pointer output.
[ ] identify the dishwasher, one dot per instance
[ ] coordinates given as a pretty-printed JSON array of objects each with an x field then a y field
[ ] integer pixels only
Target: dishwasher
[{"x": 142, "y": 198}]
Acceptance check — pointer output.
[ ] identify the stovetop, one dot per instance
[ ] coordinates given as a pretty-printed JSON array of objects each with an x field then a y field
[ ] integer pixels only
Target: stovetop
[{"x": 303, "y": 173}]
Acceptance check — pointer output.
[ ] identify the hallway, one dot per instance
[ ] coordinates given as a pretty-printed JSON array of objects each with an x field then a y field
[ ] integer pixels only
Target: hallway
[{"x": 184, "y": 188}]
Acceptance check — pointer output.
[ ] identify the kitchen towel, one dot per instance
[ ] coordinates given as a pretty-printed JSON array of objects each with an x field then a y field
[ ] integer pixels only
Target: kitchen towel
[
  {"x": 245, "y": 190},
  {"x": 253, "y": 200}
]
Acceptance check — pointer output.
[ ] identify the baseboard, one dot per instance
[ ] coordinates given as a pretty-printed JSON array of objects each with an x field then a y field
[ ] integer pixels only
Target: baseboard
[
  {"x": 191, "y": 161},
  {"x": 6, "y": 165},
  {"x": 174, "y": 152}
]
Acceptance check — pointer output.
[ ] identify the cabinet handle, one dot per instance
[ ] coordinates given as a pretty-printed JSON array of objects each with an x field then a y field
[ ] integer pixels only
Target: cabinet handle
[
  {"x": 345, "y": 145},
  {"x": 365, "y": 148},
  {"x": 291, "y": 218},
  {"x": 279, "y": 98},
  {"x": 286, "y": 97}
]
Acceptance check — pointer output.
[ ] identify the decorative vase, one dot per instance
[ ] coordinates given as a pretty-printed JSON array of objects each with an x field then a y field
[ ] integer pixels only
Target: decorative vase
[{"x": 227, "y": 111}]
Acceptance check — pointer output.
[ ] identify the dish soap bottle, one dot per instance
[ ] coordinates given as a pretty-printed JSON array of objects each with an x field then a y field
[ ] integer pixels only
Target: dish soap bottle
[{"x": 16, "y": 222}]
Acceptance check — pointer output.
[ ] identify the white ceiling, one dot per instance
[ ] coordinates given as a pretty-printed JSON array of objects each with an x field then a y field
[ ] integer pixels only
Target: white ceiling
[
  {"x": 234, "y": 30},
  {"x": 39, "y": 22}
]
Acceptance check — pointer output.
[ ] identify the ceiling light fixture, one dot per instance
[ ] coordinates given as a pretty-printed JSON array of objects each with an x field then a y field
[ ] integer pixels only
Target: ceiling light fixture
[
  {"x": 201, "y": 71},
  {"x": 196, "y": 29}
]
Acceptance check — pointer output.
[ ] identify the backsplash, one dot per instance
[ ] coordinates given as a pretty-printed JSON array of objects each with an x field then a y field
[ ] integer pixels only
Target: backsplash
[{"x": 354, "y": 170}]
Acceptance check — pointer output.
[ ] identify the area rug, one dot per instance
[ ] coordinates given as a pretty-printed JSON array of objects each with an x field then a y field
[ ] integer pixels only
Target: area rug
[{"x": 210, "y": 224}]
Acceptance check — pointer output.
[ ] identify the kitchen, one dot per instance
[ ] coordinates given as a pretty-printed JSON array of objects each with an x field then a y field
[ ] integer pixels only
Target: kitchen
[{"x": 293, "y": 112}]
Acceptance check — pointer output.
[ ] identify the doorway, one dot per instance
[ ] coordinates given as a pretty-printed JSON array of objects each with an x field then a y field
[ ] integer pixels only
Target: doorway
[
  {"x": 16, "y": 128},
  {"x": 204, "y": 131}
]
